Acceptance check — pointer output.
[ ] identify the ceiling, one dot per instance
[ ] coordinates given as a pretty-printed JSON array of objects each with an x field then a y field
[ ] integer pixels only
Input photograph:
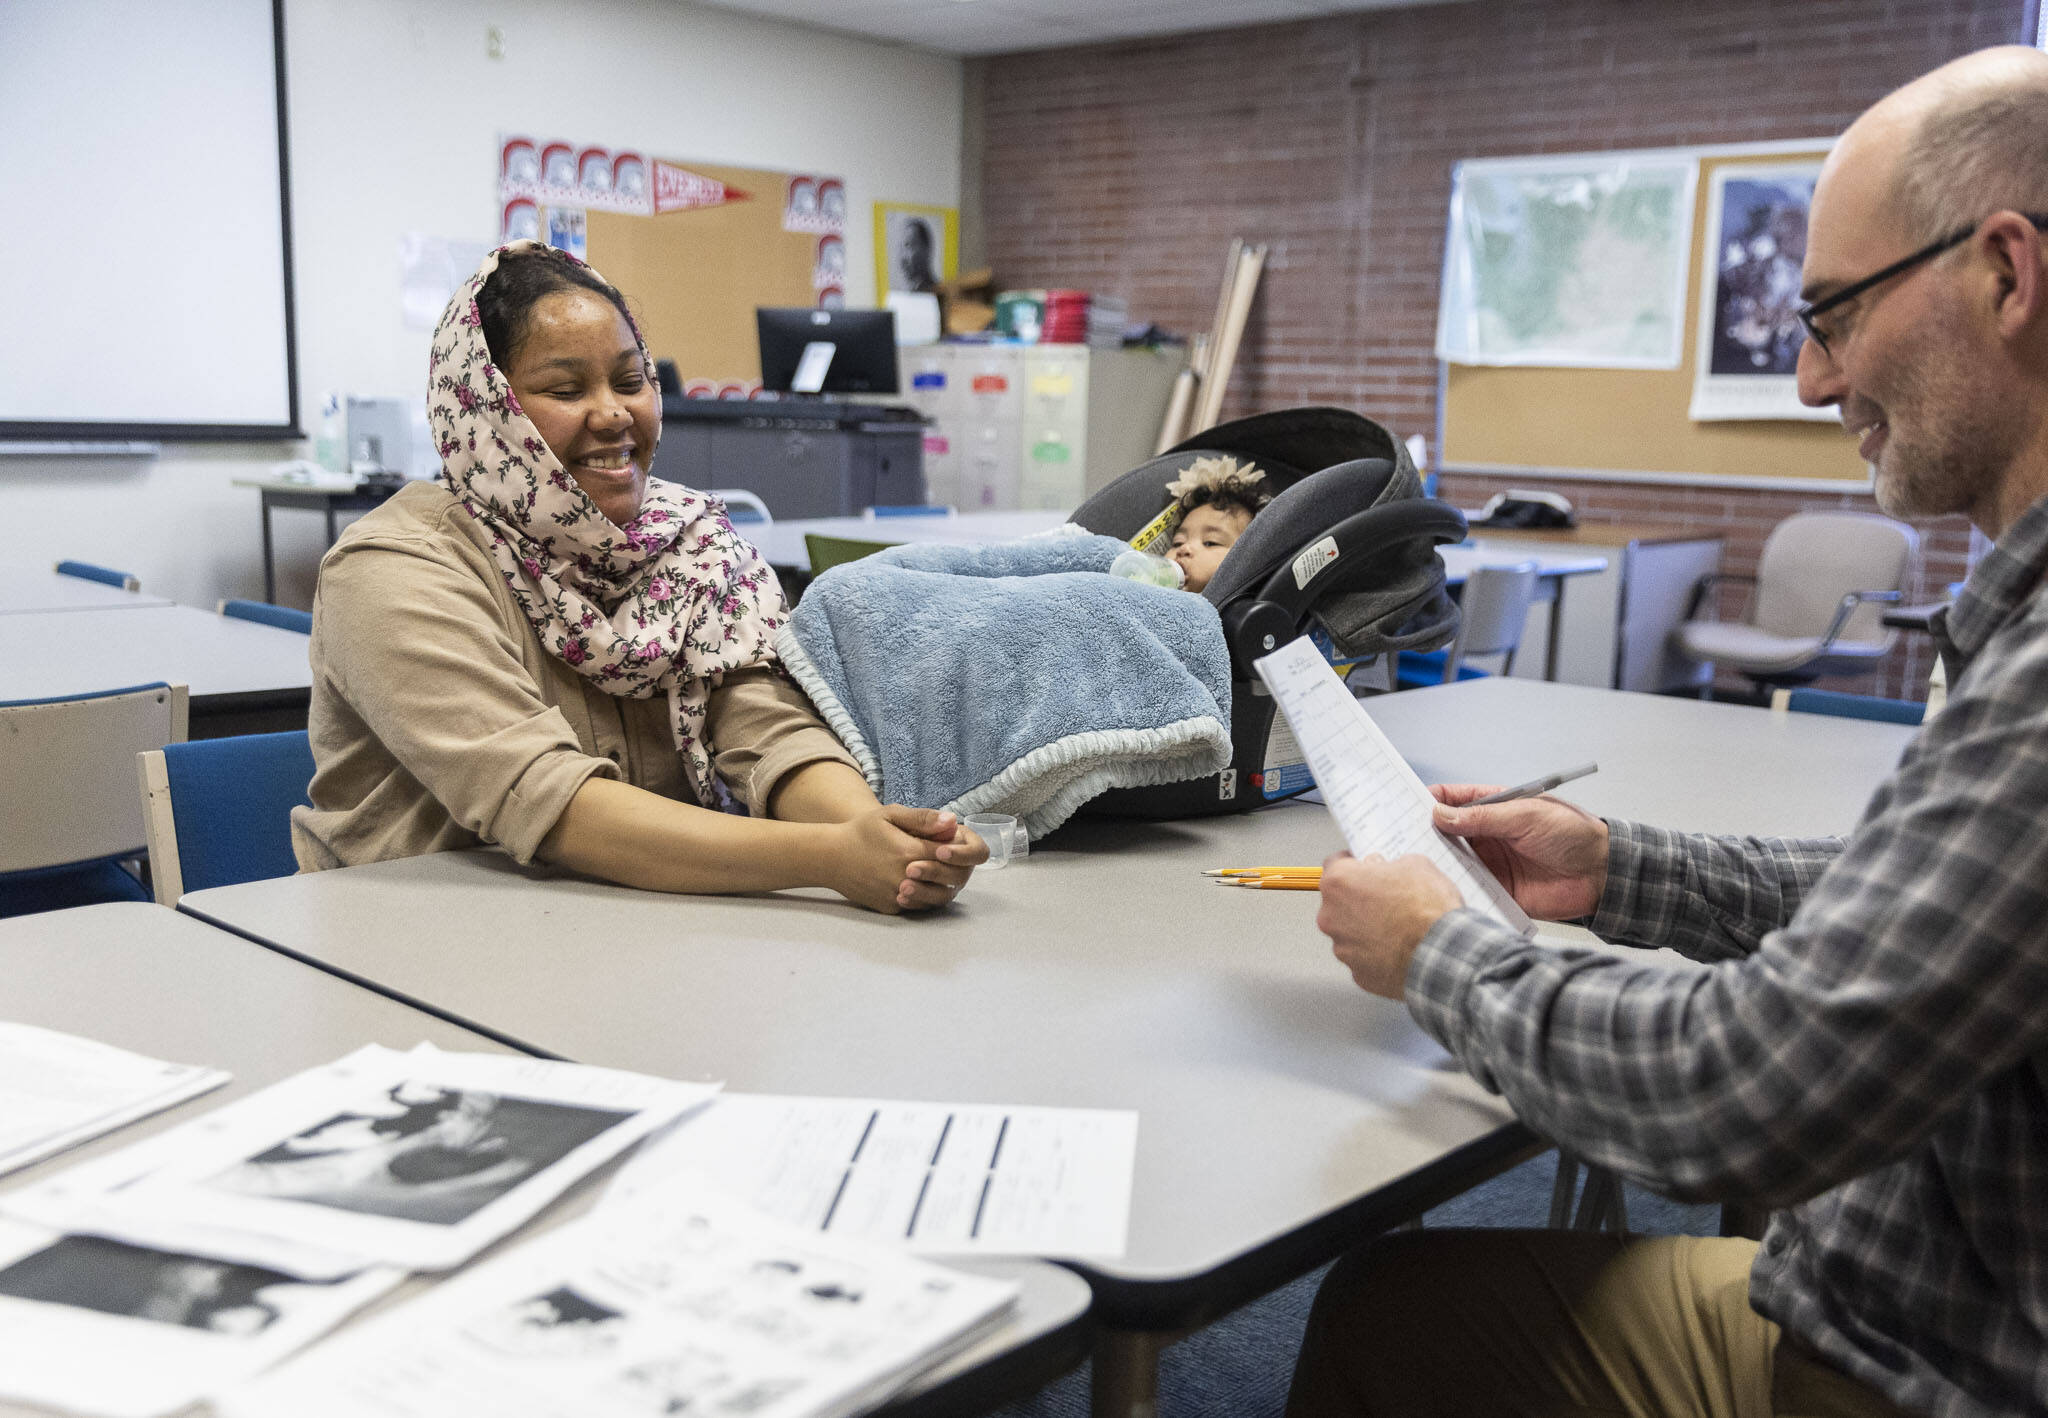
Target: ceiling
[{"x": 998, "y": 26}]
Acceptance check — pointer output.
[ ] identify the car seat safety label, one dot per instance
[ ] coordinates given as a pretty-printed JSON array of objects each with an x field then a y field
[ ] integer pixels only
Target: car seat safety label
[
  {"x": 1285, "y": 771},
  {"x": 1310, "y": 563}
]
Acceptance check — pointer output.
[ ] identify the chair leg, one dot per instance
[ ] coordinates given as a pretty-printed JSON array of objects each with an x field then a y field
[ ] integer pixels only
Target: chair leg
[
  {"x": 1562, "y": 1191},
  {"x": 1454, "y": 657}
]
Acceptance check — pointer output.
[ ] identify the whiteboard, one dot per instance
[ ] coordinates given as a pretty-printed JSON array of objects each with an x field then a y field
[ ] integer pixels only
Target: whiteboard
[{"x": 144, "y": 233}]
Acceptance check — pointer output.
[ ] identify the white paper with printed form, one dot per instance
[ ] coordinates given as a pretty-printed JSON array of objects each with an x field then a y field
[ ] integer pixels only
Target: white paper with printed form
[
  {"x": 91, "y": 1325},
  {"x": 676, "y": 1302},
  {"x": 417, "y": 1159},
  {"x": 1381, "y": 806},
  {"x": 932, "y": 1178},
  {"x": 58, "y": 1090}
]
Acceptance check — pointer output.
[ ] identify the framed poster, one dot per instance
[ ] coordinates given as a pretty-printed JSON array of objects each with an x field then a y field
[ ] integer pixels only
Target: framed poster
[
  {"x": 915, "y": 247},
  {"x": 1752, "y": 246}
]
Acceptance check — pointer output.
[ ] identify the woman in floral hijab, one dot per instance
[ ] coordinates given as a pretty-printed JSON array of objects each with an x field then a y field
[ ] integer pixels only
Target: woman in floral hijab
[{"x": 587, "y": 703}]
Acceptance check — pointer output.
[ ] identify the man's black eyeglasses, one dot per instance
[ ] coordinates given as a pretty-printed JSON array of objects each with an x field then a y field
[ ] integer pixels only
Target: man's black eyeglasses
[{"x": 1809, "y": 313}]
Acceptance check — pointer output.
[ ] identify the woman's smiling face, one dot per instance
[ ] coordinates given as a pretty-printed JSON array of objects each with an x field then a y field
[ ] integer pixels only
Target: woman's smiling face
[{"x": 579, "y": 376}]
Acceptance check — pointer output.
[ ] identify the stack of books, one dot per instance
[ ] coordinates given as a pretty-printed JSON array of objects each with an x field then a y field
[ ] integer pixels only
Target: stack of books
[{"x": 1066, "y": 318}]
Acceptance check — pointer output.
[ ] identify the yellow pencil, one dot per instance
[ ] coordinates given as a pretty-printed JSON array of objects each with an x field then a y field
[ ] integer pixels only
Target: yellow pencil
[
  {"x": 1263, "y": 871},
  {"x": 1275, "y": 883}
]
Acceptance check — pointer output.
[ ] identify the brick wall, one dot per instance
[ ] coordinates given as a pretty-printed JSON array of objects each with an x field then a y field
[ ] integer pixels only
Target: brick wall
[{"x": 1127, "y": 168}]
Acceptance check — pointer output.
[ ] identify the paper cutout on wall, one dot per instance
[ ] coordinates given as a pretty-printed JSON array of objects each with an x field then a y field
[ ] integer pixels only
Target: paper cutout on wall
[
  {"x": 815, "y": 205},
  {"x": 677, "y": 189}
]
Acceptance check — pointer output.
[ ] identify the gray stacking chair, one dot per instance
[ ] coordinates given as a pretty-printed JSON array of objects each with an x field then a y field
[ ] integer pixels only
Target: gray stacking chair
[{"x": 1816, "y": 604}]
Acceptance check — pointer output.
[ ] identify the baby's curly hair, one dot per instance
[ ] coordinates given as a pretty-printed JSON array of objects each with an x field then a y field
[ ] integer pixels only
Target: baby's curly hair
[{"x": 1220, "y": 482}]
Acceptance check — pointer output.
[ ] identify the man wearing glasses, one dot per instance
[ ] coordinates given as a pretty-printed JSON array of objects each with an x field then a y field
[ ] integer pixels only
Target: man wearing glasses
[{"x": 1867, "y": 1050}]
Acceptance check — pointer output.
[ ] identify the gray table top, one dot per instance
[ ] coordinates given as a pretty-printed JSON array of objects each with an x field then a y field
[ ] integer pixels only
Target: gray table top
[
  {"x": 1674, "y": 762},
  {"x": 149, "y": 979},
  {"x": 1101, "y": 972},
  {"x": 59, "y": 653},
  {"x": 39, "y": 588}
]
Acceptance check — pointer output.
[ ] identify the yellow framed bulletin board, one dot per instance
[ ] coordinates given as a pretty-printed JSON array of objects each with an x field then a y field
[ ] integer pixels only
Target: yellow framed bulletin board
[
  {"x": 1624, "y": 422},
  {"x": 915, "y": 247}
]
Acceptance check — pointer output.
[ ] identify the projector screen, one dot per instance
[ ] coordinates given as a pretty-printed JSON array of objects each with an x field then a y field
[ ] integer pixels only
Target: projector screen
[{"x": 146, "y": 242}]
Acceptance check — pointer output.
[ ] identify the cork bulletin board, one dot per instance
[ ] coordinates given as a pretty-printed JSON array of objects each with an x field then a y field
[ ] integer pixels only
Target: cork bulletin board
[
  {"x": 1631, "y": 421},
  {"x": 695, "y": 247}
]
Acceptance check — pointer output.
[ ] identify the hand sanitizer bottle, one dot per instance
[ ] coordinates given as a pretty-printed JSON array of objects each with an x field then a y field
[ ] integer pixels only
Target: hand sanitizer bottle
[{"x": 329, "y": 448}]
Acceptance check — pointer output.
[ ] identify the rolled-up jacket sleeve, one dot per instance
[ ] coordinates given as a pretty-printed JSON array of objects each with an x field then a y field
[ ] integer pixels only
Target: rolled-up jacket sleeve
[
  {"x": 420, "y": 653},
  {"x": 763, "y": 729}
]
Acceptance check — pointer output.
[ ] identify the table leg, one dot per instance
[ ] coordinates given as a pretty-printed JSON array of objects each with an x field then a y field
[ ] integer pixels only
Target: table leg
[
  {"x": 1125, "y": 1377},
  {"x": 332, "y": 531},
  {"x": 1556, "y": 633},
  {"x": 269, "y": 557}
]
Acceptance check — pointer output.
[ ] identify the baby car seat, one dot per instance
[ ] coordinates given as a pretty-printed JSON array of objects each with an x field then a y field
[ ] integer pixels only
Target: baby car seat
[{"x": 1345, "y": 551}]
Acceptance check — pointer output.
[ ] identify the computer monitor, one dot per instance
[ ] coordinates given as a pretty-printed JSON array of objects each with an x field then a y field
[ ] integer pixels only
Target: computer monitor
[{"x": 856, "y": 349}]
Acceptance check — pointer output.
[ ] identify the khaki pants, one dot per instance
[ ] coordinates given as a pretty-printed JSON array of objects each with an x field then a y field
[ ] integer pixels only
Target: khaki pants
[{"x": 1556, "y": 1324}]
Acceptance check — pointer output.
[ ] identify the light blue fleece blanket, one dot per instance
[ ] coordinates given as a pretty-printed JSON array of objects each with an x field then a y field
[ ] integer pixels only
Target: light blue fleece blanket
[{"x": 1016, "y": 677}]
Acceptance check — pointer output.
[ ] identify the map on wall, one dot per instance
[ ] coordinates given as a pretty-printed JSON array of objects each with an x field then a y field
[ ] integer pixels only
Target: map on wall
[{"x": 1578, "y": 261}]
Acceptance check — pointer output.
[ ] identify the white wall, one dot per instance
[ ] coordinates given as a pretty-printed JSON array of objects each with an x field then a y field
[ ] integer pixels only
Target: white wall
[{"x": 395, "y": 115}]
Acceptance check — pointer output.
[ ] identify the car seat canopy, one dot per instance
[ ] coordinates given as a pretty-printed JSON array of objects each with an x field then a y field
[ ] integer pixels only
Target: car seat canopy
[{"x": 1324, "y": 466}]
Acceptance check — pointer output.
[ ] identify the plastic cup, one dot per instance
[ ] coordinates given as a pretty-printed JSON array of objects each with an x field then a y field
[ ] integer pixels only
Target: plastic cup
[{"x": 997, "y": 830}]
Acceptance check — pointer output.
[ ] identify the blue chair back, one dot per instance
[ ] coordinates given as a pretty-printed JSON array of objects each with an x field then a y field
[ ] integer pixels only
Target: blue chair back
[
  {"x": 231, "y": 800},
  {"x": 1419, "y": 669},
  {"x": 1855, "y": 706},
  {"x": 86, "y": 571},
  {"x": 264, "y": 613}
]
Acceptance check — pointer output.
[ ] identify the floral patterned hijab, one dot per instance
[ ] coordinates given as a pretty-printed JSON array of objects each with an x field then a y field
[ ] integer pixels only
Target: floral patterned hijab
[{"x": 666, "y": 604}]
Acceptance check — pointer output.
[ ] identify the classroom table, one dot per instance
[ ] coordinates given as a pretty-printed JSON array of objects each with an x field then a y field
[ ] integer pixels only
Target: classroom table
[
  {"x": 331, "y": 501},
  {"x": 30, "y": 589},
  {"x": 240, "y": 674},
  {"x": 164, "y": 984},
  {"x": 1285, "y": 1114}
]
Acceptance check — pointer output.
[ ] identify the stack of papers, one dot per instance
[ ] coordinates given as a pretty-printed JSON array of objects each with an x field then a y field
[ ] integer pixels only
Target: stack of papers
[
  {"x": 675, "y": 1303},
  {"x": 208, "y": 1251},
  {"x": 57, "y": 1090},
  {"x": 196, "y": 1263}
]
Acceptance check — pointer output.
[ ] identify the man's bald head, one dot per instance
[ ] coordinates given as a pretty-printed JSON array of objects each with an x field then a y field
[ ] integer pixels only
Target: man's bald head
[
  {"x": 1941, "y": 368},
  {"x": 1955, "y": 145}
]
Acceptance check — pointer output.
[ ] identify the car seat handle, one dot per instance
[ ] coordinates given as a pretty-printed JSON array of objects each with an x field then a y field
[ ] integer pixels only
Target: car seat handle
[
  {"x": 1340, "y": 559},
  {"x": 1254, "y": 628}
]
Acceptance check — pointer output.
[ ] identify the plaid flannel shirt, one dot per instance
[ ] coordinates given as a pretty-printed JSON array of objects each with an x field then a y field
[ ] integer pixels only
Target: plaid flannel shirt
[{"x": 1868, "y": 1049}]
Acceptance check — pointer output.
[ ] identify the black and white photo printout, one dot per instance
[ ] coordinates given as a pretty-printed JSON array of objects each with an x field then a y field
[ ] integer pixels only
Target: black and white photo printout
[
  {"x": 417, "y": 1159},
  {"x": 91, "y": 1325},
  {"x": 1379, "y": 803}
]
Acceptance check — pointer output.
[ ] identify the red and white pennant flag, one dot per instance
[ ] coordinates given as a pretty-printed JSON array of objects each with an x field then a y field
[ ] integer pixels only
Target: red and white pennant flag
[{"x": 680, "y": 190}]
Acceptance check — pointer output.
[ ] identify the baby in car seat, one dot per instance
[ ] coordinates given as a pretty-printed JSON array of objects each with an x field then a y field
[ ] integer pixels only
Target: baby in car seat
[{"x": 1217, "y": 499}]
